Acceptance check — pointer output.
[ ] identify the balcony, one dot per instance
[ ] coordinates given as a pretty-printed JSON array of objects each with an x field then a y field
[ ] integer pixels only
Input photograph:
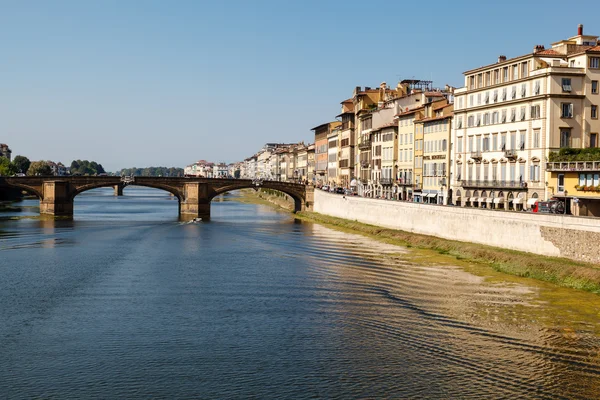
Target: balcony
[
  {"x": 386, "y": 181},
  {"x": 494, "y": 184},
  {"x": 510, "y": 154},
  {"x": 344, "y": 163},
  {"x": 476, "y": 155},
  {"x": 365, "y": 164},
  {"x": 573, "y": 166},
  {"x": 365, "y": 145},
  {"x": 347, "y": 125},
  {"x": 404, "y": 182}
]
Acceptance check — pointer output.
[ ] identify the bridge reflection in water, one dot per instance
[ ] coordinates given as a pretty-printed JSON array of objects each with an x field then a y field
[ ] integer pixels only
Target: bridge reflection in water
[{"x": 56, "y": 194}]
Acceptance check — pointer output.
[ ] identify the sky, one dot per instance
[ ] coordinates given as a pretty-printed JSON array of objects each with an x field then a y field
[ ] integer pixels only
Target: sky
[{"x": 165, "y": 83}]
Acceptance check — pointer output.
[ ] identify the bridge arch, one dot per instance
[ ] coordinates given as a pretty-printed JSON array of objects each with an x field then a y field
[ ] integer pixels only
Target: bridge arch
[
  {"x": 84, "y": 188},
  {"x": 299, "y": 198}
]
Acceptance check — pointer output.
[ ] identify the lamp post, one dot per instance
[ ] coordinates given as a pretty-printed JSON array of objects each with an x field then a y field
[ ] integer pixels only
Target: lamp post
[{"x": 566, "y": 192}]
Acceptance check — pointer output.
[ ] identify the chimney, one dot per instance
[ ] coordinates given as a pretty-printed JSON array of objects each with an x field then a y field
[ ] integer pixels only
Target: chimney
[
  {"x": 538, "y": 47},
  {"x": 579, "y": 29},
  {"x": 501, "y": 59}
]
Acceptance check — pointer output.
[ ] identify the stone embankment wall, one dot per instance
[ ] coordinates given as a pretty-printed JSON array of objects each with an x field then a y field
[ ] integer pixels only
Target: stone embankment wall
[{"x": 546, "y": 234}]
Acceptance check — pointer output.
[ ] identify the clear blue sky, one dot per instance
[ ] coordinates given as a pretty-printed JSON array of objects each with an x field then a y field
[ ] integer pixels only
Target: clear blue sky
[{"x": 140, "y": 83}]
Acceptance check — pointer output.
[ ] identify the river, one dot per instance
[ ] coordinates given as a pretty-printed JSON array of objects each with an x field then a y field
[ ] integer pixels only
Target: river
[{"x": 125, "y": 301}]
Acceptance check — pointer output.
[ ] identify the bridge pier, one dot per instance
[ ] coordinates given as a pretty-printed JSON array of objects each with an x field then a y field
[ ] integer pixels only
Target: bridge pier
[
  {"x": 196, "y": 201},
  {"x": 119, "y": 189},
  {"x": 56, "y": 199}
]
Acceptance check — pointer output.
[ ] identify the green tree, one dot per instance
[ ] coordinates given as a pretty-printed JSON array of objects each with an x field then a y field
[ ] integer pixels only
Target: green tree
[
  {"x": 21, "y": 163},
  {"x": 6, "y": 167},
  {"x": 39, "y": 168}
]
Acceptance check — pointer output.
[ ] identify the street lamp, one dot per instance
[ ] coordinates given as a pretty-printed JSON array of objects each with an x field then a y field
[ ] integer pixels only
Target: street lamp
[{"x": 566, "y": 192}]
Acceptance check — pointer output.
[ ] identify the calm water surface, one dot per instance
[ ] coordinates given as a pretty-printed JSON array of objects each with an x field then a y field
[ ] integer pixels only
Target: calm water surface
[{"x": 127, "y": 302}]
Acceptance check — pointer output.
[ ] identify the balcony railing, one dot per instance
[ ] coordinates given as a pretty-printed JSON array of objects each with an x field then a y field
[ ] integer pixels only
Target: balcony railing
[
  {"x": 573, "y": 166},
  {"x": 493, "y": 184},
  {"x": 512, "y": 154},
  {"x": 364, "y": 164},
  {"x": 385, "y": 181},
  {"x": 404, "y": 182},
  {"x": 365, "y": 145},
  {"x": 476, "y": 155}
]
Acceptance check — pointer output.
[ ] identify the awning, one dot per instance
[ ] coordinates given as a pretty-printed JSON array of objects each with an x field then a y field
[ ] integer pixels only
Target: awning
[
  {"x": 353, "y": 182},
  {"x": 518, "y": 200},
  {"x": 489, "y": 200},
  {"x": 457, "y": 198},
  {"x": 432, "y": 195},
  {"x": 499, "y": 200},
  {"x": 531, "y": 202}
]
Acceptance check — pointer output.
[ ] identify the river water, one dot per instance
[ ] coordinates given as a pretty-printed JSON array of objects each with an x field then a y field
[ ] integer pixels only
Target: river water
[{"x": 125, "y": 301}]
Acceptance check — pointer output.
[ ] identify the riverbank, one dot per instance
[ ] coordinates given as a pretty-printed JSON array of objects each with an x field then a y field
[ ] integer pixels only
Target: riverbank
[{"x": 559, "y": 271}]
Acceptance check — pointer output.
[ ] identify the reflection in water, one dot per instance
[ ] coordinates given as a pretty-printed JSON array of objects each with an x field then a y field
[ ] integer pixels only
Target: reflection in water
[{"x": 131, "y": 303}]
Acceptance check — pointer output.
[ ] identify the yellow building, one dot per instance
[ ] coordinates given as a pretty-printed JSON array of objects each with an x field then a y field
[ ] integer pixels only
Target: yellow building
[
  {"x": 437, "y": 133},
  {"x": 405, "y": 179}
]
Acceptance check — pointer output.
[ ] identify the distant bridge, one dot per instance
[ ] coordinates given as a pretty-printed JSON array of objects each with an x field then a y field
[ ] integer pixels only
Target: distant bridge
[{"x": 56, "y": 193}]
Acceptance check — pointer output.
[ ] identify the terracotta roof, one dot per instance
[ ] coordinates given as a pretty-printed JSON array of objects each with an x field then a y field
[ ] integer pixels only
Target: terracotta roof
[
  {"x": 434, "y": 94},
  {"x": 440, "y": 107},
  {"x": 408, "y": 112},
  {"x": 435, "y": 118},
  {"x": 347, "y": 101},
  {"x": 548, "y": 52},
  {"x": 595, "y": 48}
]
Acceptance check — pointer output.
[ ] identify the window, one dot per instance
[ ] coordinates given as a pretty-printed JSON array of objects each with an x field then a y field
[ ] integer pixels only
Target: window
[
  {"x": 522, "y": 140},
  {"x": 513, "y": 140},
  {"x": 594, "y": 112},
  {"x": 486, "y": 144},
  {"x": 535, "y": 112},
  {"x": 487, "y": 97},
  {"x": 536, "y": 139},
  {"x": 594, "y": 87},
  {"x": 534, "y": 173},
  {"x": 594, "y": 62},
  {"x": 504, "y": 93},
  {"x": 503, "y": 120},
  {"x": 496, "y": 76},
  {"x": 495, "y": 95},
  {"x": 513, "y": 93},
  {"x": 524, "y": 90},
  {"x": 460, "y": 101},
  {"x": 536, "y": 87},
  {"x": 513, "y": 114},
  {"x": 486, "y": 119},
  {"x": 494, "y": 142},
  {"x": 478, "y": 120},
  {"x": 470, "y": 143},
  {"x": 524, "y": 70},
  {"x": 503, "y": 172},
  {"x": 561, "y": 183},
  {"x": 444, "y": 145},
  {"x": 459, "y": 145},
  {"x": 523, "y": 113},
  {"x": 471, "y": 100},
  {"x": 478, "y": 98},
  {"x": 593, "y": 140},
  {"x": 503, "y": 141},
  {"x": 566, "y": 84},
  {"x": 495, "y": 117},
  {"x": 567, "y": 110},
  {"x": 471, "y": 82},
  {"x": 565, "y": 138},
  {"x": 581, "y": 179},
  {"x": 515, "y": 72},
  {"x": 505, "y": 74}
]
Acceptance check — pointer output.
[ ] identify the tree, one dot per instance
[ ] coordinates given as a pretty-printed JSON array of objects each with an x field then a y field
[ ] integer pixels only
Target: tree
[
  {"x": 6, "y": 167},
  {"x": 21, "y": 163},
  {"x": 39, "y": 168}
]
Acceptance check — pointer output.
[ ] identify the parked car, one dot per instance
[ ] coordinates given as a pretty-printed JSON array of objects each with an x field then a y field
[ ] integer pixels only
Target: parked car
[
  {"x": 325, "y": 188},
  {"x": 340, "y": 190},
  {"x": 349, "y": 192}
]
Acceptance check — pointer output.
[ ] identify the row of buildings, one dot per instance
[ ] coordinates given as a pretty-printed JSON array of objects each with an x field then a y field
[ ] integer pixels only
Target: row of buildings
[
  {"x": 521, "y": 130},
  {"x": 207, "y": 169}
]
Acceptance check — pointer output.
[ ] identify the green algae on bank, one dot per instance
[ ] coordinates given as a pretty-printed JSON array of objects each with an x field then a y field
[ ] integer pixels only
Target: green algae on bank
[{"x": 558, "y": 271}]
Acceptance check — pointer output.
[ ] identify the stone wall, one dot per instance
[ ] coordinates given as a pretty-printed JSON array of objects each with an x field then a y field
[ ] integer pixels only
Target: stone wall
[{"x": 546, "y": 234}]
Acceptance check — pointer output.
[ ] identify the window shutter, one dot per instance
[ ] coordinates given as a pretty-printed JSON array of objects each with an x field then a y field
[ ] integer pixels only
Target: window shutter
[{"x": 571, "y": 110}]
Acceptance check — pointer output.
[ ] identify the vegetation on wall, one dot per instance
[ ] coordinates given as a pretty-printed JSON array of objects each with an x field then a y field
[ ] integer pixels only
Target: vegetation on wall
[{"x": 569, "y": 154}]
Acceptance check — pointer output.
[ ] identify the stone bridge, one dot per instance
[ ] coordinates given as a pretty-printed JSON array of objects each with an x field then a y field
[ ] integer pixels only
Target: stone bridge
[{"x": 56, "y": 193}]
